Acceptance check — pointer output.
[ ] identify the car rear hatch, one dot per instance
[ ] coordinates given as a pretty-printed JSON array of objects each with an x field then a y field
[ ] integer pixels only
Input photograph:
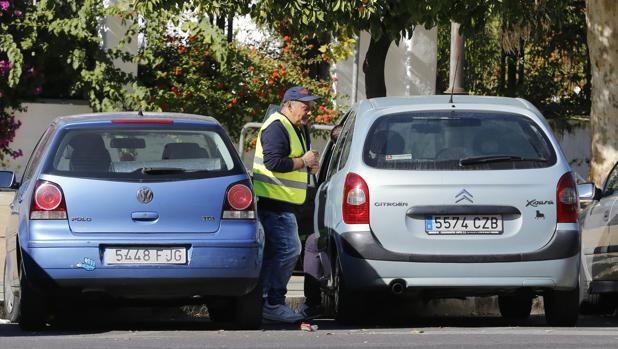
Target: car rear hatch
[
  {"x": 187, "y": 206},
  {"x": 144, "y": 176},
  {"x": 461, "y": 182},
  {"x": 505, "y": 213}
]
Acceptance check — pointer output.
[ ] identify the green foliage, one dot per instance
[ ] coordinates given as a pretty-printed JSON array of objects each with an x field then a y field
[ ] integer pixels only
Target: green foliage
[
  {"x": 56, "y": 51},
  {"x": 229, "y": 81},
  {"x": 17, "y": 74},
  {"x": 554, "y": 62},
  {"x": 52, "y": 49}
]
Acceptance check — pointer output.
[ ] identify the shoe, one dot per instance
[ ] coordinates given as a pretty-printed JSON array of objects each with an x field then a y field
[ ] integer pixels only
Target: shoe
[
  {"x": 308, "y": 312},
  {"x": 280, "y": 313}
]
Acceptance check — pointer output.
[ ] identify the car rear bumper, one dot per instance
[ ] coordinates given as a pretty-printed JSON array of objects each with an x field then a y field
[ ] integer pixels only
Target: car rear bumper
[
  {"x": 564, "y": 244},
  {"x": 218, "y": 270},
  {"x": 554, "y": 274},
  {"x": 366, "y": 264}
]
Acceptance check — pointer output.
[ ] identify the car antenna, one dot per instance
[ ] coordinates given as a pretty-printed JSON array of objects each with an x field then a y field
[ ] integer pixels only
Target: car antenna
[{"x": 450, "y": 100}]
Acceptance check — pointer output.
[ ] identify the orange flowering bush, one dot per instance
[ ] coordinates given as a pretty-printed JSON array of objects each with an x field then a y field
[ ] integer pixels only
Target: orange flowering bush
[{"x": 233, "y": 83}]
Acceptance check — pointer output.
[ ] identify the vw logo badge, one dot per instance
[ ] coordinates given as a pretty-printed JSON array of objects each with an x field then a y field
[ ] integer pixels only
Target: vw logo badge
[{"x": 145, "y": 195}]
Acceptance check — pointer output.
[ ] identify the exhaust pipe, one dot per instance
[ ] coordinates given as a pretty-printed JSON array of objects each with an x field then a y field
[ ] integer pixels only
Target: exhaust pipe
[{"x": 398, "y": 286}]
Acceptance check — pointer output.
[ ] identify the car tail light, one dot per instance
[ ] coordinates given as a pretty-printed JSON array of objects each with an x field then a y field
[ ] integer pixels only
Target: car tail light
[
  {"x": 567, "y": 199},
  {"x": 355, "y": 200},
  {"x": 239, "y": 202},
  {"x": 48, "y": 202}
]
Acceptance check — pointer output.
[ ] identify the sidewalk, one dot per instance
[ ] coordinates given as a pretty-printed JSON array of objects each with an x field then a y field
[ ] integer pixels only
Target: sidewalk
[{"x": 296, "y": 294}]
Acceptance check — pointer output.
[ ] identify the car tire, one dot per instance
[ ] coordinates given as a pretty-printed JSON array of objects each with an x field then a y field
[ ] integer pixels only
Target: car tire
[
  {"x": 515, "y": 306},
  {"x": 11, "y": 312},
  {"x": 248, "y": 309},
  {"x": 28, "y": 308},
  {"x": 346, "y": 304},
  {"x": 561, "y": 307},
  {"x": 599, "y": 304}
]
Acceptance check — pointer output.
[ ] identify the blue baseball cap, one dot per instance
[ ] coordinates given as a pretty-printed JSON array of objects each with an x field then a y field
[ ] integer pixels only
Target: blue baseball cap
[{"x": 298, "y": 93}]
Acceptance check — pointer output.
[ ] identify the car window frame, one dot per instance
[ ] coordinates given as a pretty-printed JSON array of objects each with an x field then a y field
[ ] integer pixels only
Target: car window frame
[
  {"x": 328, "y": 153},
  {"x": 334, "y": 160},
  {"x": 552, "y": 159},
  {"x": 237, "y": 169},
  {"x": 348, "y": 130},
  {"x": 37, "y": 154},
  {"x": 613, "y": 172}
]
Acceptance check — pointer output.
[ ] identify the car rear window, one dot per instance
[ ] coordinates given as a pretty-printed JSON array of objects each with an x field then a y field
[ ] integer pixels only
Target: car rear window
[
  {"x": 143, "y": 153},
  {"x": 462, "y": 140}
]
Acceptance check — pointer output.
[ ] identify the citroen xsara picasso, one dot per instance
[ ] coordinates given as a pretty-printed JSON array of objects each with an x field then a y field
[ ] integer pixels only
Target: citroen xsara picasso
[
  {"x": 131, "y": 207},
  {"x": 431, "y": 198}
]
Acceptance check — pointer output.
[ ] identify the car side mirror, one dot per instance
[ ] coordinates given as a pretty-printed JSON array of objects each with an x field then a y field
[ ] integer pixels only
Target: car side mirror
[
  {"x": 587, "y": 192},
  {"x": 7, "y": 180}
]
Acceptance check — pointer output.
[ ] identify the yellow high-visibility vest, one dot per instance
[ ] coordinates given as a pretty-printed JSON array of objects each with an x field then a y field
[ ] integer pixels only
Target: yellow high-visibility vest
[{"x": 283, "y": 186}]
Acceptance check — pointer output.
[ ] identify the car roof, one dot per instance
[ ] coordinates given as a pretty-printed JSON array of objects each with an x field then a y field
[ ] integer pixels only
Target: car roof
[
  {"x": 131, "y": 115},
  {"x": 387, "y": 105},
  {"x": 389, "y": 102}
]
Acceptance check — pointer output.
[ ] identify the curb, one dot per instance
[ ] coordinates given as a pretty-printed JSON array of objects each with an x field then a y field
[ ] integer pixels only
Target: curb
[{"x": 470, "y": 306}]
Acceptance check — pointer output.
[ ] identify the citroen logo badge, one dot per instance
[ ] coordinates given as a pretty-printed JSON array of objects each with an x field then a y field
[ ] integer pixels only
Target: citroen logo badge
[
  {"x": 145, "y": 195},
  {"x": 463, "y": 195}
]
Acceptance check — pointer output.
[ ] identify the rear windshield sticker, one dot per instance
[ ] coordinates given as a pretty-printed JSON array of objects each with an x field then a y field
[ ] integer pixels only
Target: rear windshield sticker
[{"x": 398, "y": 157}]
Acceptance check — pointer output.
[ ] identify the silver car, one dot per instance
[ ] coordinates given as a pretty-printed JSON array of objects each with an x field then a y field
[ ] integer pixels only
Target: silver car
[
  {"x": 429, "y": 198},
  {"x": 599, "y": 221}
]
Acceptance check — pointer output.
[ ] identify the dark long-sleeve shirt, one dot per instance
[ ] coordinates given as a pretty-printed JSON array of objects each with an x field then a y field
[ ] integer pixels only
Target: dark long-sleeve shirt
[{"x": 276, "y": 148}]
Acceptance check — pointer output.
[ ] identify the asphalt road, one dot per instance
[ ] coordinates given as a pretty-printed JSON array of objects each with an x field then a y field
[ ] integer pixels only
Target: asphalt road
[{"x": 138, "y": 330}]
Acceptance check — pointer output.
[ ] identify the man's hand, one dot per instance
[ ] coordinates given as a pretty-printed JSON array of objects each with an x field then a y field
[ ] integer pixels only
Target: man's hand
[
  {"x": 311, "y": 159},
  {"x": 314, "y": 169}
]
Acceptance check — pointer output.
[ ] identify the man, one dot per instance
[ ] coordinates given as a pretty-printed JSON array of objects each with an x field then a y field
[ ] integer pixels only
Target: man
[{"x": 280, "y": 177}]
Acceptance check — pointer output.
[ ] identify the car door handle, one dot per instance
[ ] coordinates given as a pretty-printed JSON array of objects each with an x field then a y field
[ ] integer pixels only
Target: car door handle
[{"x": 606, "y": 215}]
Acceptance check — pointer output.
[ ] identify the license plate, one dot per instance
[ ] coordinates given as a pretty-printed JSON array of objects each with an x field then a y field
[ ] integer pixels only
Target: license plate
[
  {"x": 463, "y": 224},
  {"x": 145, "y": 255}
]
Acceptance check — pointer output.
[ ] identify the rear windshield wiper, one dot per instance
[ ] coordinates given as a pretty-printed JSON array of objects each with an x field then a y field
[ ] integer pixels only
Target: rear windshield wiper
[
  {"x": 160, "y": 170},
  {"x": 496, "y": 158}
]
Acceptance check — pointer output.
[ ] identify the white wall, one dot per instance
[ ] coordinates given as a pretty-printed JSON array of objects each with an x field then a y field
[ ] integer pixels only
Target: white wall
[
  {"x": 410, "y": 67},
  {"x": 37, "y": 117},
  {"x": 576, "y": 145}
]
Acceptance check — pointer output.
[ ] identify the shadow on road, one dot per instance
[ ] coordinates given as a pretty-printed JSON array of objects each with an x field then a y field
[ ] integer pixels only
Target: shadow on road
[{"x": 94, "y": 321}]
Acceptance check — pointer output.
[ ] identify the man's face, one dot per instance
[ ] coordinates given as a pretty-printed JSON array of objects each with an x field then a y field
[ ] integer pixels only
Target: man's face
[{"x": 300, "y": 112}]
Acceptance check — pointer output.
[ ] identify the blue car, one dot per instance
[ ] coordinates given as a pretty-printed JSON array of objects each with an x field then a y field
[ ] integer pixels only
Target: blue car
[{"x": 133, "y": 208}]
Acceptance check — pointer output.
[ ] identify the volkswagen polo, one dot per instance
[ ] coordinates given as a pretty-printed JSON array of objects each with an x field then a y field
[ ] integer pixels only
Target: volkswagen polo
[
  {"x": 133, "y": 207},
  {"x": 433, "y": 198}
]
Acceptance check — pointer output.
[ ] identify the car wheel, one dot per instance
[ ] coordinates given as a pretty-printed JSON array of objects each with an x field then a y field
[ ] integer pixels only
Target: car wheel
[
  {"x": 28, "y": 308},
  {"x": 515, "y": 306},
  {"x": 561, "y": 307},
  {"x": 346, "y": 304},
  {"x": 10, "y": 310},
  {"x": 248, "y": 309}
]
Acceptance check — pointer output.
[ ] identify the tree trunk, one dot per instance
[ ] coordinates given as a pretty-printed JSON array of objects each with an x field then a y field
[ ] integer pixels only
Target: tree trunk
[
  {"x": 373, "y": 67},
  {"x": 502, "y": 73},
  {"x": 230, "y": 27},
  {"x": 520, "y": 63},
  {"x": 511, "y": 81},
  {"x": 220, "y": 22},
  {"x": 602, "y": 20}
]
